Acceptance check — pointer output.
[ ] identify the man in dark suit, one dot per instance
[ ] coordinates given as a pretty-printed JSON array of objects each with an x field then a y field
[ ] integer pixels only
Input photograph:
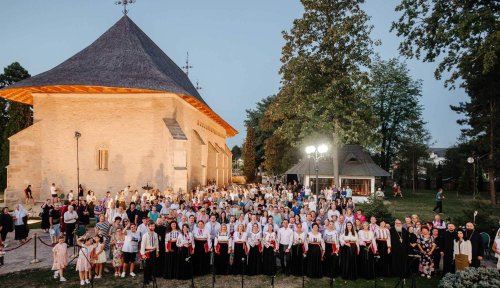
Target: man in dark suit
[
  {"x": 477, "y": 244},
  {"x": 399, "y": 249},
  {"x": 447, "y": 241}
]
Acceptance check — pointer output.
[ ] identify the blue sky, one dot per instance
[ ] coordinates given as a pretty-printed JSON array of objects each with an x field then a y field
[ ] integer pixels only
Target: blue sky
[{"x": 234, "y": 46}]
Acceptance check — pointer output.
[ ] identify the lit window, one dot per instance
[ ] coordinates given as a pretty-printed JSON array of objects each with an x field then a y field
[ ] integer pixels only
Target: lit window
[{"x": 102, "y": 159}]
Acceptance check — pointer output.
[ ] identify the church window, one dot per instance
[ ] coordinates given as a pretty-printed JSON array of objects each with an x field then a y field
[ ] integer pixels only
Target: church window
[{"x": 102, "y": 159}]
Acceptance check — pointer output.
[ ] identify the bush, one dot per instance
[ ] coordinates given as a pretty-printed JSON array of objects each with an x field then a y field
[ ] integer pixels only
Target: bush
[
  {"x": 471, "y": 277},
  {"x": 484, "y": 220},
  {"x": 376, "y": 207}
]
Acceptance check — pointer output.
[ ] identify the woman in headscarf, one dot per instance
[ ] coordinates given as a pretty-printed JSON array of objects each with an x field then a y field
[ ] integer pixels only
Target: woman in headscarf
[{"x": 21, "y": 223}]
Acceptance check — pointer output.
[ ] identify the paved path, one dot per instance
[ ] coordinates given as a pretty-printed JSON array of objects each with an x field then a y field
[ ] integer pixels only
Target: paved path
[{"x": 19, "y": 259}]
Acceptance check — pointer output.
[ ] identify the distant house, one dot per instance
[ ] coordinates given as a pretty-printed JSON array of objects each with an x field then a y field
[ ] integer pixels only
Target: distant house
[
  {"x": 437, "y": 155},
  {"x": 356, "y": 170}
]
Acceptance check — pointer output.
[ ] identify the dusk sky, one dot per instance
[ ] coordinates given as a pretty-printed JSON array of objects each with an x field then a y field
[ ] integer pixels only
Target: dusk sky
[{"x": 234, "y": 46}]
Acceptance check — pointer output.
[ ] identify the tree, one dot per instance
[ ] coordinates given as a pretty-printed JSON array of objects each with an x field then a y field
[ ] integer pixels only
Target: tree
[
  {"x": 324, "y": 80},
  {"x": 14, "y": 116},
  {"x": 254, "y": 119},
  {"x": 279, "y": 155},
  {"x": 249, "y": 156},
  {"x": 464, "y": 37},
  {"x": 236, "y": 151},
  {"x": 396, "y": 103}
]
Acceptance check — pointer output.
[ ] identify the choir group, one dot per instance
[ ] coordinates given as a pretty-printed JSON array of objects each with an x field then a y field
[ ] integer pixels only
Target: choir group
[{"x": 250, "y": 231}]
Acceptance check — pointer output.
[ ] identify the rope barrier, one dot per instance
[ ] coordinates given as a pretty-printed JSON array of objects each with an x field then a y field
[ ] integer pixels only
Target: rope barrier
[
  {"x": 29, "y": 239},
  {"x": 44, "y": 243}
]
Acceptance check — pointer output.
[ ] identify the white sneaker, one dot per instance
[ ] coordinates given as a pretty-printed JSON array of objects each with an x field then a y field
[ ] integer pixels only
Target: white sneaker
[
  {"x": 132, "y": 274},
  {"x": 62, "y": 279},
  {"x": 56, "y": 275},
  {"x": 123, "y": 274},
  {"x": 97, "y": 277},
  {"x": 87, "y": 281},
  {"x": 82, "y": 282}
]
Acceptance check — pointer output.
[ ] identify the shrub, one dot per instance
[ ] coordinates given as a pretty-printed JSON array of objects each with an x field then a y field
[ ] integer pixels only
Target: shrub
[
  {"x": 484, "y": 220},
  {"x": 470, "y": 278},
  {"x": 376, "y": 207}
]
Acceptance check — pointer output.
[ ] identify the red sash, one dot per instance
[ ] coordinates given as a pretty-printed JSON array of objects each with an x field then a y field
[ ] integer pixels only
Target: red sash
[
  {"x": 245, "y": 247},
  {"x": 371, "y": 247},
  {"x": 260, "y": 247},
  {"x": 273, "y": 243},
  {"x": 334, "y": 248},
  {"x": 217, "y": 249},
  {"x": 303, "y": 248},
  {"x": 207, "y": 249},
  {"x": 190, "y": 249}
]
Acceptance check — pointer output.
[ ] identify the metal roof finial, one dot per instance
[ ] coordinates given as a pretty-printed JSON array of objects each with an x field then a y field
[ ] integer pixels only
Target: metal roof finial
[
  {"x": 187, "y": 66},
  {"x": 124, "y": 3}
]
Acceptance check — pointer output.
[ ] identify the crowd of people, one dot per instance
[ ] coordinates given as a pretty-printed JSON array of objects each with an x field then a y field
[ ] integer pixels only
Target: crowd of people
[{"x": 249, "y": 231}]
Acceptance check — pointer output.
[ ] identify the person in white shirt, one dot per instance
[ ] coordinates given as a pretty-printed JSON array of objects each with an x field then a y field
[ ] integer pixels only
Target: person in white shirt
[
  {"x": 270, "y": 222},
  {"x": 315, "y": 247},
  {"x": 270, "y": 247},
  {"x": 130, "y": 248},
  {"x": 202, "y": 248},
  {"x": 349, "y": 252},
  {"x": 70, "y": 218},
  {"x": 53, "y": 192},
  {"x": 383, "y": 236},
  {"x": 240, "y": 249},
  {"x": 332, "y": 249},
  {"x": 462, "y": 252},
  {"x": 143, "y": 227},
  {"x": 149, "y": 250},
  {"x": 185, "y": 244},
  {"x": 212, "y": 228},
  {"x": 254, "y": 247},
  {"x": 368, "y": 246},
  {"x": 285, "y": 240}
]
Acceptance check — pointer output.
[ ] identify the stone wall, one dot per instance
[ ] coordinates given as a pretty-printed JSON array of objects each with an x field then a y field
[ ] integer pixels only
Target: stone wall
[{"x": 140, "y": 147}]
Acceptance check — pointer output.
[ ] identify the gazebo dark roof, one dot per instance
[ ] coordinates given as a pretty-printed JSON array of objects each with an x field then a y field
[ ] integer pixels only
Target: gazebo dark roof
[
  {"x": 122, "y": 60},
  {"x": 124, "y": 57},
  {"x": 353, "y": 161}
]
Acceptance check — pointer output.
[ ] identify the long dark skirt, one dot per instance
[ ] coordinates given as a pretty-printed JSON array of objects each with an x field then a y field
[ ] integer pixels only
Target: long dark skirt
[
  {"x": 298, "y": 264},
  {"x": 383, "y": 264},
  {"x": 366, "y": 263},
  {"x": 254, "y": 261},
  {"x": 314, "y": 263},
  {"x": 348, "y": 262},
  {"x": 201, "y": 260},
  {"x": 45, "y": 219},
  {"x": 184, "y": 268},
  {"x": 222, "y": 260},
  {"x": 21, "y": 232},
  {"x": 239, "y": 254},
  {"x": 330, "y": 262},
  {"x": 171, "y": 268},
  {"x": 268, "y": 261}
]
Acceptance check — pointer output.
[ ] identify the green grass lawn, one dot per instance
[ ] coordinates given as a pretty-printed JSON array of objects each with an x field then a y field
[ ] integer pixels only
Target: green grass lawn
[
  {"x": 43, "y": 278},
  {"x": 422, "y": 202}
]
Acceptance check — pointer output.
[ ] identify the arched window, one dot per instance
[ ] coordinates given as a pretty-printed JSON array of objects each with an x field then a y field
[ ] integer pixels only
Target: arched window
[{"x": 102, "y": 159}]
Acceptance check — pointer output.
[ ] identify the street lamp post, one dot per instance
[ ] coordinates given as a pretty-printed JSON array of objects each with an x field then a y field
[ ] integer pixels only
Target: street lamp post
[
  {"x": 316, "y": 153},
  {"x": 474, "y": 160},
  {"x": 75, "y": 233}
]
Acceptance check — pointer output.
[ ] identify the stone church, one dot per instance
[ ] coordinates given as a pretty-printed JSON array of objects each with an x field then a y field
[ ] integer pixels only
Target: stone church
[{"x": 140, "y": 118}]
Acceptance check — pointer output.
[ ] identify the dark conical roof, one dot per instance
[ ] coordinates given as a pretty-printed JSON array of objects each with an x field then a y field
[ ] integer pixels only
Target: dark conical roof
[{"x": 123, "y": 57}]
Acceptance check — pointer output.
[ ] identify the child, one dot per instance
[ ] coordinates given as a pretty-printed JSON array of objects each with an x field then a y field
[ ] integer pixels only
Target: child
[
  {"x": 83, "y": 262},
  {"x": 60, "y": 253},
  {"x": 2, "y": 253},
  {"x": 100, "y": 256}
]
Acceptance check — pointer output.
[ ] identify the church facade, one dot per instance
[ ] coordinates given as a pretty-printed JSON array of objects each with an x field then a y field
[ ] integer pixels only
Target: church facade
[{"x": 138, "y": 117}]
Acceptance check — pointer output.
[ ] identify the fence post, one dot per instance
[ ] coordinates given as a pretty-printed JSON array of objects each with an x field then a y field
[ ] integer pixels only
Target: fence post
[{"x": 35, "y": 260}]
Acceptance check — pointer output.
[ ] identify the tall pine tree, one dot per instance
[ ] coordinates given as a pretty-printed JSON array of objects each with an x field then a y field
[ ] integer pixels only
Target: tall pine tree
[
  {"x": 14, "y": 116},
  {"x": 249, "y": 155}
]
